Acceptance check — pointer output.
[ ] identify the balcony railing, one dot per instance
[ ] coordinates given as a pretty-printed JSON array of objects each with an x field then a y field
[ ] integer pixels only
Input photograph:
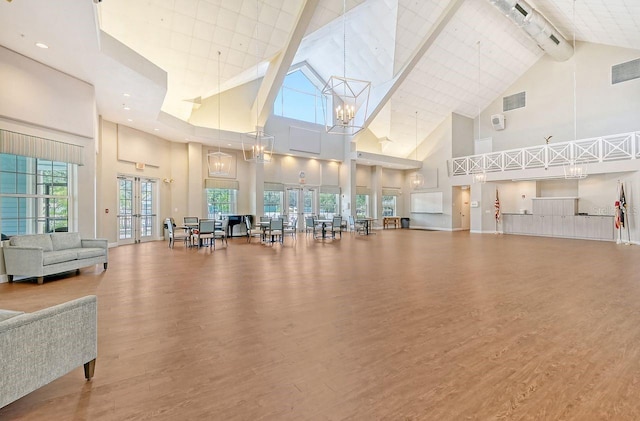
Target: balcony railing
[{"x": 615, "y": 147}]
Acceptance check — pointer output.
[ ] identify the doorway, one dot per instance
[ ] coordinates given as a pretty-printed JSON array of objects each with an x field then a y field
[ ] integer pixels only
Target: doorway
[
  {"x": 461, "y": 217},
  {"x": 300, "y": 204},
  {"x": 137, "y": 218}
]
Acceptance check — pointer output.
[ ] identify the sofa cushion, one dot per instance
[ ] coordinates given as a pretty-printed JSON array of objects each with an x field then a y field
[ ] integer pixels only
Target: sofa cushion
[
  {"x": 7, "y": 314},
  {"x": 59, "y": 256},
  {"x": 37, "y": 240},
  {"x": 66, "y": 240},
  {"x": 86, "y": 253}
]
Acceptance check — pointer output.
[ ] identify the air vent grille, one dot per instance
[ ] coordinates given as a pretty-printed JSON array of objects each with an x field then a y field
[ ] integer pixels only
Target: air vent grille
[
  {"x": 625, "y": 71},
  {"x": 514, "y": 101}
]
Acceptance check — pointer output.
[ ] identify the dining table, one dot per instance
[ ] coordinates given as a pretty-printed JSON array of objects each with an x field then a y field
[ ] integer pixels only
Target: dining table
[
  {"x": 325, "y": 223},
  {"x": 367, "y": 223}
]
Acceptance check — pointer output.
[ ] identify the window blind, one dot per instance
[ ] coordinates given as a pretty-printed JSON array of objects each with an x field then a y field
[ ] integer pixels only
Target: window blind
[
  {"x": 217, "y": 183},
  {"x": 38, "y": 147}
]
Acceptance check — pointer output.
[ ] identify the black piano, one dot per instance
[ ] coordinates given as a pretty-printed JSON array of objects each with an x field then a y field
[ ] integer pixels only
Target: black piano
[{"x": 236, "y": 220}]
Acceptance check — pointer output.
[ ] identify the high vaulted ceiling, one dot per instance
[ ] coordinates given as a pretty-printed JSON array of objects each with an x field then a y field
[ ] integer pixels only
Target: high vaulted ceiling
[{"x": 432, "y": 57}]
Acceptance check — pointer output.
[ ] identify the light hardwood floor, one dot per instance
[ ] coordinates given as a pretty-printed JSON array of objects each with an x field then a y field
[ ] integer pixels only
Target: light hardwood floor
[{"x": 403, "y": 325}]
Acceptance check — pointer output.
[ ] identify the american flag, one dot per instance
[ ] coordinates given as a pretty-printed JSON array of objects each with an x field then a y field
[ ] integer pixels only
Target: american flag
[
  {"x": 497, "y": 207},
  {"x": 622, "y": 206}
]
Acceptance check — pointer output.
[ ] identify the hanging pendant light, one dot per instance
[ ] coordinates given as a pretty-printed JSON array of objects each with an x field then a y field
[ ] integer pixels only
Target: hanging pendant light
[
  {"x": 574, "y": 169},
  {"x": 481, "y": 176},
  {"x": 219, "y": 163},
  {"x": 416, "y": 180},
  {"x": 257, "y": 146},
  {"x": 345, "y": 101}
]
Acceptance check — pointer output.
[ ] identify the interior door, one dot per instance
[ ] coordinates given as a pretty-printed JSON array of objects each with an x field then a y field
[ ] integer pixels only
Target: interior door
[
  {"x": 465, "y": 210},
  {"x": 137, "y": 218}
]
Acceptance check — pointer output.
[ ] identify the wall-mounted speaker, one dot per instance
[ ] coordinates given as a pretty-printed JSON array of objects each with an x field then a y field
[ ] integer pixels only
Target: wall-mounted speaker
[{"x": 497, "y": 121}]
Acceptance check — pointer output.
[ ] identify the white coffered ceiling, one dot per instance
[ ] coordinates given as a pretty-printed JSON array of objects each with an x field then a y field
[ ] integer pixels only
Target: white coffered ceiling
[{"x": 478, "y": 54}]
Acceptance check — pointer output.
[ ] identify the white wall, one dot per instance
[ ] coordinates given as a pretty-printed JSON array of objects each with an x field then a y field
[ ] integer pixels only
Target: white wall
[
  {"x": 166, "y": 153},
  {"x": 40, "y": 101},
  {"x": 602, "y": 108},
  {"x": 36, "y": 94},
  {"x": 435, "y": 151}
]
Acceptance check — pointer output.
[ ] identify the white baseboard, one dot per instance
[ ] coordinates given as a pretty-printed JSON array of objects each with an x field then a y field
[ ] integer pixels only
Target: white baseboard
[{"x": 4, "y": 279}]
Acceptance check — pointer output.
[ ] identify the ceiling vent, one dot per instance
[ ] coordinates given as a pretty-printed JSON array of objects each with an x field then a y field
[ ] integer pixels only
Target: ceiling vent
[
  {"x": 625, "y": 71},
  {"x": 537, "y": 27},
  {"x": 515, "y": 101}
]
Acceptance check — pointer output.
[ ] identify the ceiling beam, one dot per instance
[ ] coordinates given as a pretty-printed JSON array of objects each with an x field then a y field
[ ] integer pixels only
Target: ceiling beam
[
  {"x": 427, "y": 42},
  {"x": 280, "y": 65}
]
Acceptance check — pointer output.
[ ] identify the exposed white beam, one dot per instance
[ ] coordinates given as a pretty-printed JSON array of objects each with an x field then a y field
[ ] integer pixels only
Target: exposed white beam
[
  {"x": 279, "y": 66},
  {"x": 423, "y": 47}
]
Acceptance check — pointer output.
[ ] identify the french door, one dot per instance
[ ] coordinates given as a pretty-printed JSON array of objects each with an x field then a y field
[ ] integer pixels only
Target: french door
[
  {"x": 137, "y": 218},
  {"x": 301, "y": 202}
]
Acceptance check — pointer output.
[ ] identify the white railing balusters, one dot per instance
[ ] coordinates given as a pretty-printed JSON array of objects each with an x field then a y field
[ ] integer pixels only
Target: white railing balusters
[{"x": 615, "y": 147}]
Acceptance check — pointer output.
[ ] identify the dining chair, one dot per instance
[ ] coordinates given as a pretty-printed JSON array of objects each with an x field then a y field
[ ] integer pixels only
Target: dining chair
[
  {"x": 221, "y": 233},
  {"x": 310, "y": 225},
  {"x": 356, "y": 226},
  {"x": 265, "y": 219},
  {"x": 206, "y": 228},
  {"x": 251, "y": 230},
  {"x": 173, "y": 235},
  {"x": 292, "y": 228},
  {"x": 190, "y": 221},
  {"x": 336, "y": 226},
  {"x": 275, "y": 230}
]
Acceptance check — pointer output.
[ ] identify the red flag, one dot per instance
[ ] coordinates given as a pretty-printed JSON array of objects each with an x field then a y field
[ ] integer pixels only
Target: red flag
[
  {"x": 497, "y": 207},
  {"x": 617, "y": 220}
]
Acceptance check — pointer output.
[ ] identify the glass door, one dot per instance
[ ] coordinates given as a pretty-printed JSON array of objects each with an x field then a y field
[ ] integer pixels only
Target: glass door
[
  {"x": 136, "y": 210},
  {"x": 301, "y": 202}
]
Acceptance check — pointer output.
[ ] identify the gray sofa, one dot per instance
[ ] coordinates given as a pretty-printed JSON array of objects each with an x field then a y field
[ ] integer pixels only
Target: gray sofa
[
  {"x": 46, "y": 254},
  {"x": 37, "y": 348}
]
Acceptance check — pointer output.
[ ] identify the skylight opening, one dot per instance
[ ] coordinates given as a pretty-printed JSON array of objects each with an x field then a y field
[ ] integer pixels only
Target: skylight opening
[{"x": 300, "y": 97}]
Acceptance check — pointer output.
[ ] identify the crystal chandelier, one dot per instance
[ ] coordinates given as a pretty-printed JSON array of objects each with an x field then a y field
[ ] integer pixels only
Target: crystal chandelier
[
  {"x": 257, "y": 146},
  {"x": 349, "y": 96},
  {"x": 219, "y": 163},
  {"x": 416, "y": 180}
]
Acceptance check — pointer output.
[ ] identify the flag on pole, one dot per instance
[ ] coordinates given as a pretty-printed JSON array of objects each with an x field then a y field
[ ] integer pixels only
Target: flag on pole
[
  {"x": 623, "y": 205},
  {"x": 497, "y": 207}
]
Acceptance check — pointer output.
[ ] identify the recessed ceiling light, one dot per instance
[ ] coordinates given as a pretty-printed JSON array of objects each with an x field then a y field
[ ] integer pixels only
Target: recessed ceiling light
[
  {"x": 156, "y": 129},
  {"x": 42, "y": 45},
  {"x": 129, "y": 119},
  {"x": 228, "y": 144},
  {"x": 126, "y": 108},
  {"x": 126, "y": 94}
]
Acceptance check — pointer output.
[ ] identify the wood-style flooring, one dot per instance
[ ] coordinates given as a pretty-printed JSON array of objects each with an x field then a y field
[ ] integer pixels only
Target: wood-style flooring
[{"x": 402, "y": 325}]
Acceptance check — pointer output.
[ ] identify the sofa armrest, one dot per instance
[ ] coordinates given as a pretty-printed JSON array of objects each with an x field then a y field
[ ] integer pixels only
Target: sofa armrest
[
  {"x": 23, "y": 260},
  {"x": 95, "y": 243},
  {"x": 39, "y": 347}
]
